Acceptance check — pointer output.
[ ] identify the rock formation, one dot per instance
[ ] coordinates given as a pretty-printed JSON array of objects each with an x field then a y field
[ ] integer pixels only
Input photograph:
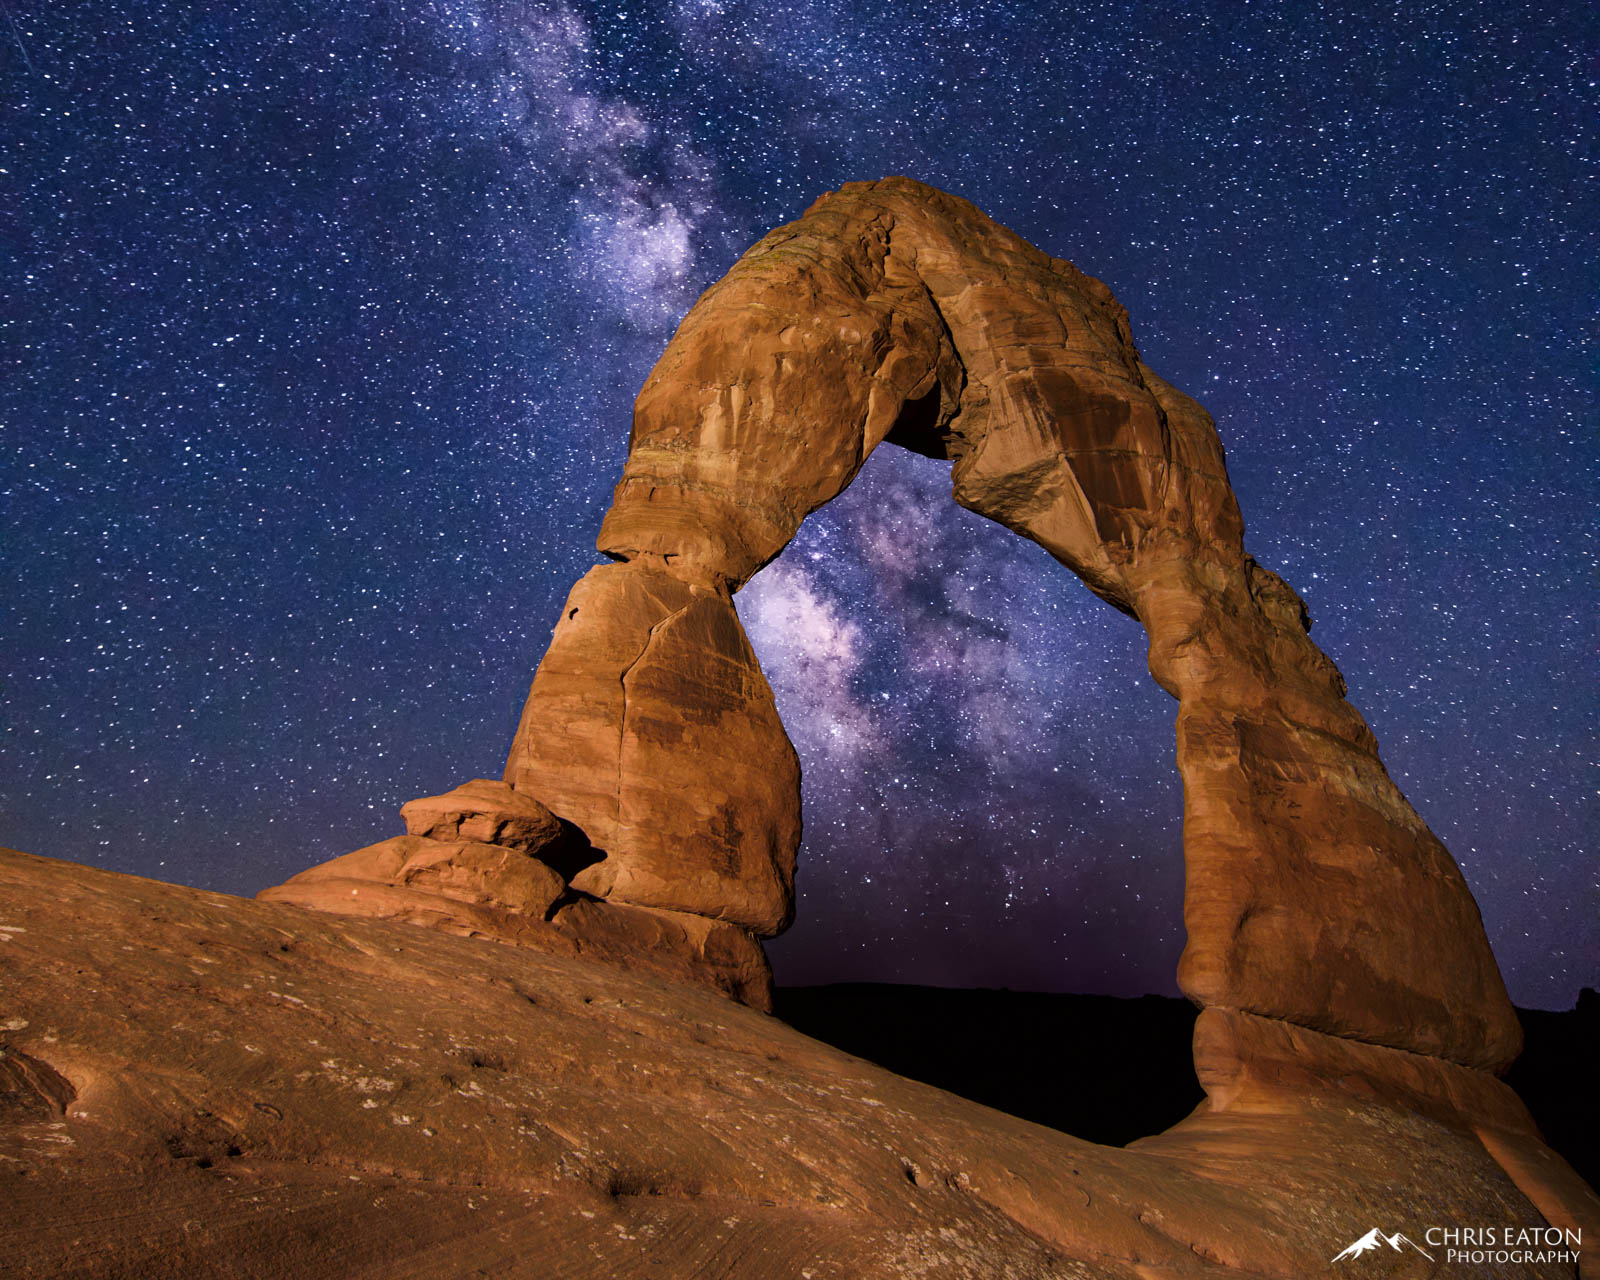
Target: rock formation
[
  {"x": 481, "y": 861},
  {"x": 196, "y": 1085},
  {"x": 651, "y": 727},
  {"x": 360, "y": 1095},
  {"x": 892, "y": 312}
]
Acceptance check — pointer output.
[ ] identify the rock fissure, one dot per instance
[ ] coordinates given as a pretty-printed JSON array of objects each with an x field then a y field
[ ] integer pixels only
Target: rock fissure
[{"x": 622, "y": 716}]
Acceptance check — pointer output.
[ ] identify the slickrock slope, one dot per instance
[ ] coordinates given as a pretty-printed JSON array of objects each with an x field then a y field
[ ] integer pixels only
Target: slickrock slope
[{"x": 197, "y": 1085}]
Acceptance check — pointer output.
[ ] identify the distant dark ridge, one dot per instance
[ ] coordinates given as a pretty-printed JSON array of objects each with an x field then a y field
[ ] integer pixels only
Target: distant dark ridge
[
  {"x": 1558, "y": 1076},
  {"x": 1101, "y": 1068},
  {"x": 1111, "y": 1070}
]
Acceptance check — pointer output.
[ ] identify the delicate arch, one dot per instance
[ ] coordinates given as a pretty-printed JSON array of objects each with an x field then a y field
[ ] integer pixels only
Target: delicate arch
[{"x": 891, "y": 311}]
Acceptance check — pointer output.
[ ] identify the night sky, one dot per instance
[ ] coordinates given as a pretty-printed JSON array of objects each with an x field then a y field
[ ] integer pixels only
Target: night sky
[{"x": 321, "y": 325}]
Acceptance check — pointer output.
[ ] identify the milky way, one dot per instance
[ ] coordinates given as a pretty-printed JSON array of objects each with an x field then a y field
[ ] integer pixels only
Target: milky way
[{"x": 322, "y": 323}]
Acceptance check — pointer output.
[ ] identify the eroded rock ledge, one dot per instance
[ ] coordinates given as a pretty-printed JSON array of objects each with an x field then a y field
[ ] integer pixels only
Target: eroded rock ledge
[{"x": 485, "y": 861}]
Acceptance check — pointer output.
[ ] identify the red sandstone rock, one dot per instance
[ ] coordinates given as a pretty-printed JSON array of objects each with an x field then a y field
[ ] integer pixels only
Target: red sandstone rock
[
  {"x": 485, "y": 810},
  {"x": 652, "y": 730},
  {"x": 1252, "y": 1065},
  {"x": 1235, "y": 1053},
  {"x": 1315, "y": 894},
  {"x": 891, "y": 311},
  {"x": 651, "y": 727},
  {"x": 478, "y": 890},
  {"x": 465, "y": 871},
  {"x": 198, "y": 1085},
  {"x": 675, "y": 944}
]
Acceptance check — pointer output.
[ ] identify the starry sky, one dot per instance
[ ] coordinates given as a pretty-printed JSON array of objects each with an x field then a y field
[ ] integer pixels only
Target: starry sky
[{"x": 320, "y": 327}]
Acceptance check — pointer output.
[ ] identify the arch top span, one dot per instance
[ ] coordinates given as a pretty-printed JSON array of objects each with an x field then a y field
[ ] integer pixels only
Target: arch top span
[
  {"x": 891, "y": 311},
  {"x": 1315, "y": 896}
]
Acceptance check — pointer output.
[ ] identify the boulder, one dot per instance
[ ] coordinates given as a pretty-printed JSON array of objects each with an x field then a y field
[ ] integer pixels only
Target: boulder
[{"x": 486, "y": 810}]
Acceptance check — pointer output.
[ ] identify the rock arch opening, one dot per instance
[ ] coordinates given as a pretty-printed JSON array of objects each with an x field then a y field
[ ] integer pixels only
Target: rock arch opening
[
  {"x": 987, "y": 776},
  {"x": 1326, "y": 925}
]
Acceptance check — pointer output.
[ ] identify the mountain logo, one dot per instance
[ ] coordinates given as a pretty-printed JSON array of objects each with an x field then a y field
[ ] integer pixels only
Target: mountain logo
[{"x": 1372, "y": 1240}]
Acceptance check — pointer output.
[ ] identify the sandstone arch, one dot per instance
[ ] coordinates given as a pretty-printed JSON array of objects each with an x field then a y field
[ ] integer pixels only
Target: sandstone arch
[
  {"x": 1315, "y": 894},
  {"x": 1315, "y": 897}
]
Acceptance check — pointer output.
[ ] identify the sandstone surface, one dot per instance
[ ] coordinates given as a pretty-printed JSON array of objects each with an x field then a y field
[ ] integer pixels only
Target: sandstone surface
[
  {"x": 467, "y": 871},
  {"x": 477, "y": 890},
  {"x": 192, "y": 1084},
  {"x": 651, "y": 727},
  {"x": 486, "y": 810}
]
